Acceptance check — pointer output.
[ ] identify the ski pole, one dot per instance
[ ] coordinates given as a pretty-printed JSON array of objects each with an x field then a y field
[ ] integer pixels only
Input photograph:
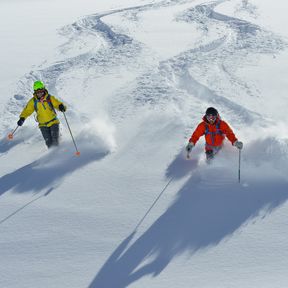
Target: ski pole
[
  {"x": 11, "y": 135},
  {"x": 77, "y": 152},
  {"x": 239, "y": 167}
]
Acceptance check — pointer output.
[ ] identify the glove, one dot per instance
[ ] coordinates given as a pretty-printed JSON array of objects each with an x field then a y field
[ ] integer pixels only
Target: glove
[
  {"x": 62, "y": 108},
  {"x": 189, "y": 146},
  {"x": 238, "y": 144},
  {"x": 20, "y": 121}
]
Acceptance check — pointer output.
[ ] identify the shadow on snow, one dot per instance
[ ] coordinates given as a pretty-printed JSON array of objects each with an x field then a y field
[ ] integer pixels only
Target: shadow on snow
[
  {"x": 181, "y": 166},
  {"x": 201, "y": 216},
  {"x": 47, "y": 171}
]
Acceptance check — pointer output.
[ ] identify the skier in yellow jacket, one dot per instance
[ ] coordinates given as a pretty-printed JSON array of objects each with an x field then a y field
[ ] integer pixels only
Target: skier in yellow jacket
[{"x": 44, "y": 105}]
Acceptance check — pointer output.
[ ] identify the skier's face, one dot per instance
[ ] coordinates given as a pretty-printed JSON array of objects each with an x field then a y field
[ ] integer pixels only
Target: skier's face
[
  {"x": 211, "y": 118},
  {"x": 40, "y": 93}
]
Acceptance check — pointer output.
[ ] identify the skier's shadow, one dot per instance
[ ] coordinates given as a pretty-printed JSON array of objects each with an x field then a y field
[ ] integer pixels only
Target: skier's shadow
[
  {"x": 198, "y": 218},
  {"x": 6, "y": 144},
  {"x": 47, "y": 171},
  {"x": 181, "y": 166}
]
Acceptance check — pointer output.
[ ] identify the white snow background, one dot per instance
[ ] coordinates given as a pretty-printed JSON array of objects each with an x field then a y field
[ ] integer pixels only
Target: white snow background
[{"x": 137, "y": 77}]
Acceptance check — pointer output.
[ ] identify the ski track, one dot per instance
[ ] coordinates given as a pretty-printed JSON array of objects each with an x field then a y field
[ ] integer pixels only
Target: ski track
[
  {"x": 159, "y": 85},
  {"x": 240, "y": 40},
  {"x": 154, "y": 86}
]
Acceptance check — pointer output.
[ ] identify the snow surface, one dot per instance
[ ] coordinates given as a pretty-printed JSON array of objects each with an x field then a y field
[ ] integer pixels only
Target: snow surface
[{"x": 137, "y": 77}]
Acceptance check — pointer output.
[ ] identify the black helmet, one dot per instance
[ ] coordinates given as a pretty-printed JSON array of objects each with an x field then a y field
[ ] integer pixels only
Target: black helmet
[{"x": 211, "y": 111}]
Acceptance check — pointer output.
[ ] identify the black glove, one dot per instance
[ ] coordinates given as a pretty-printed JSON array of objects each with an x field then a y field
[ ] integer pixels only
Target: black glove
[
  {"x": 20, "y": 121},
  {"x": 62, "y": 108},
  {"x": 238, "y": 144},
  {"x": 189, "y": 147}
]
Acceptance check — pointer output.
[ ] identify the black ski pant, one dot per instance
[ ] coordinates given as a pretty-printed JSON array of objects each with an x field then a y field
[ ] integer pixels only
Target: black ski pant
[
  {"x": 211, "y": 151},
  {"x": 50, "y": 135}
]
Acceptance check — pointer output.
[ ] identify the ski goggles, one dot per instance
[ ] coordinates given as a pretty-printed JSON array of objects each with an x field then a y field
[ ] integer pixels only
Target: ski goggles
[
  {"x": 40, "y": 92},
  {"x": 211, "y": 117}
]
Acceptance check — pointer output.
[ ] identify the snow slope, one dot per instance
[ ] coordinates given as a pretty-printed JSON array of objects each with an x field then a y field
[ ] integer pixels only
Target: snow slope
[{"x": 137, "y": 77}]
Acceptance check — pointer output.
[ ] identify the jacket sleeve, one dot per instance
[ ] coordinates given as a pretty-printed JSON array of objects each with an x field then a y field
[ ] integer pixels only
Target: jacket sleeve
[
  {"x": 228, "y": 132},
  {"x": 55, "y": 102},
  {"x": 199, "y": 131},
  {"x": 28, "y": 110}
]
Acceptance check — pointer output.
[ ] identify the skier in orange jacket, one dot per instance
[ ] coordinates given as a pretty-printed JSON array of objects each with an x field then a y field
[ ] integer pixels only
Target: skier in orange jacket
[{"x": 215, "y": 131}]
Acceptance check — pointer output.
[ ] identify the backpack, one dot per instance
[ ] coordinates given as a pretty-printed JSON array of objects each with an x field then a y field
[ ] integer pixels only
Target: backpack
[
  {"x": 218, "y": 131},
  {"x": 48, "y": 100}
]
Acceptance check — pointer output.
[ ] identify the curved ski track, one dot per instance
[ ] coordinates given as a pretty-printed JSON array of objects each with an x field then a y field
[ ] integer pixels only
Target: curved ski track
[{"x": 164, "y": 81}]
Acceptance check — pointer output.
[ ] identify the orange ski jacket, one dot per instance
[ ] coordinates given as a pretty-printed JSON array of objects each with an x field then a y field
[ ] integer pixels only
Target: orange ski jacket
[{"x": 214, "y": 133}]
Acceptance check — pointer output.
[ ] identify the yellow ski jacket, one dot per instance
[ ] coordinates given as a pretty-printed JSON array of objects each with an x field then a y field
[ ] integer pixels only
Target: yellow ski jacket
[{"x": 44, "y": 108}]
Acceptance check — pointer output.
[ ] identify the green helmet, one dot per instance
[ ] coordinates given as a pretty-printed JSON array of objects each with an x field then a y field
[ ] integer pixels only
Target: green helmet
[{"x": 38, "y": 85}]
